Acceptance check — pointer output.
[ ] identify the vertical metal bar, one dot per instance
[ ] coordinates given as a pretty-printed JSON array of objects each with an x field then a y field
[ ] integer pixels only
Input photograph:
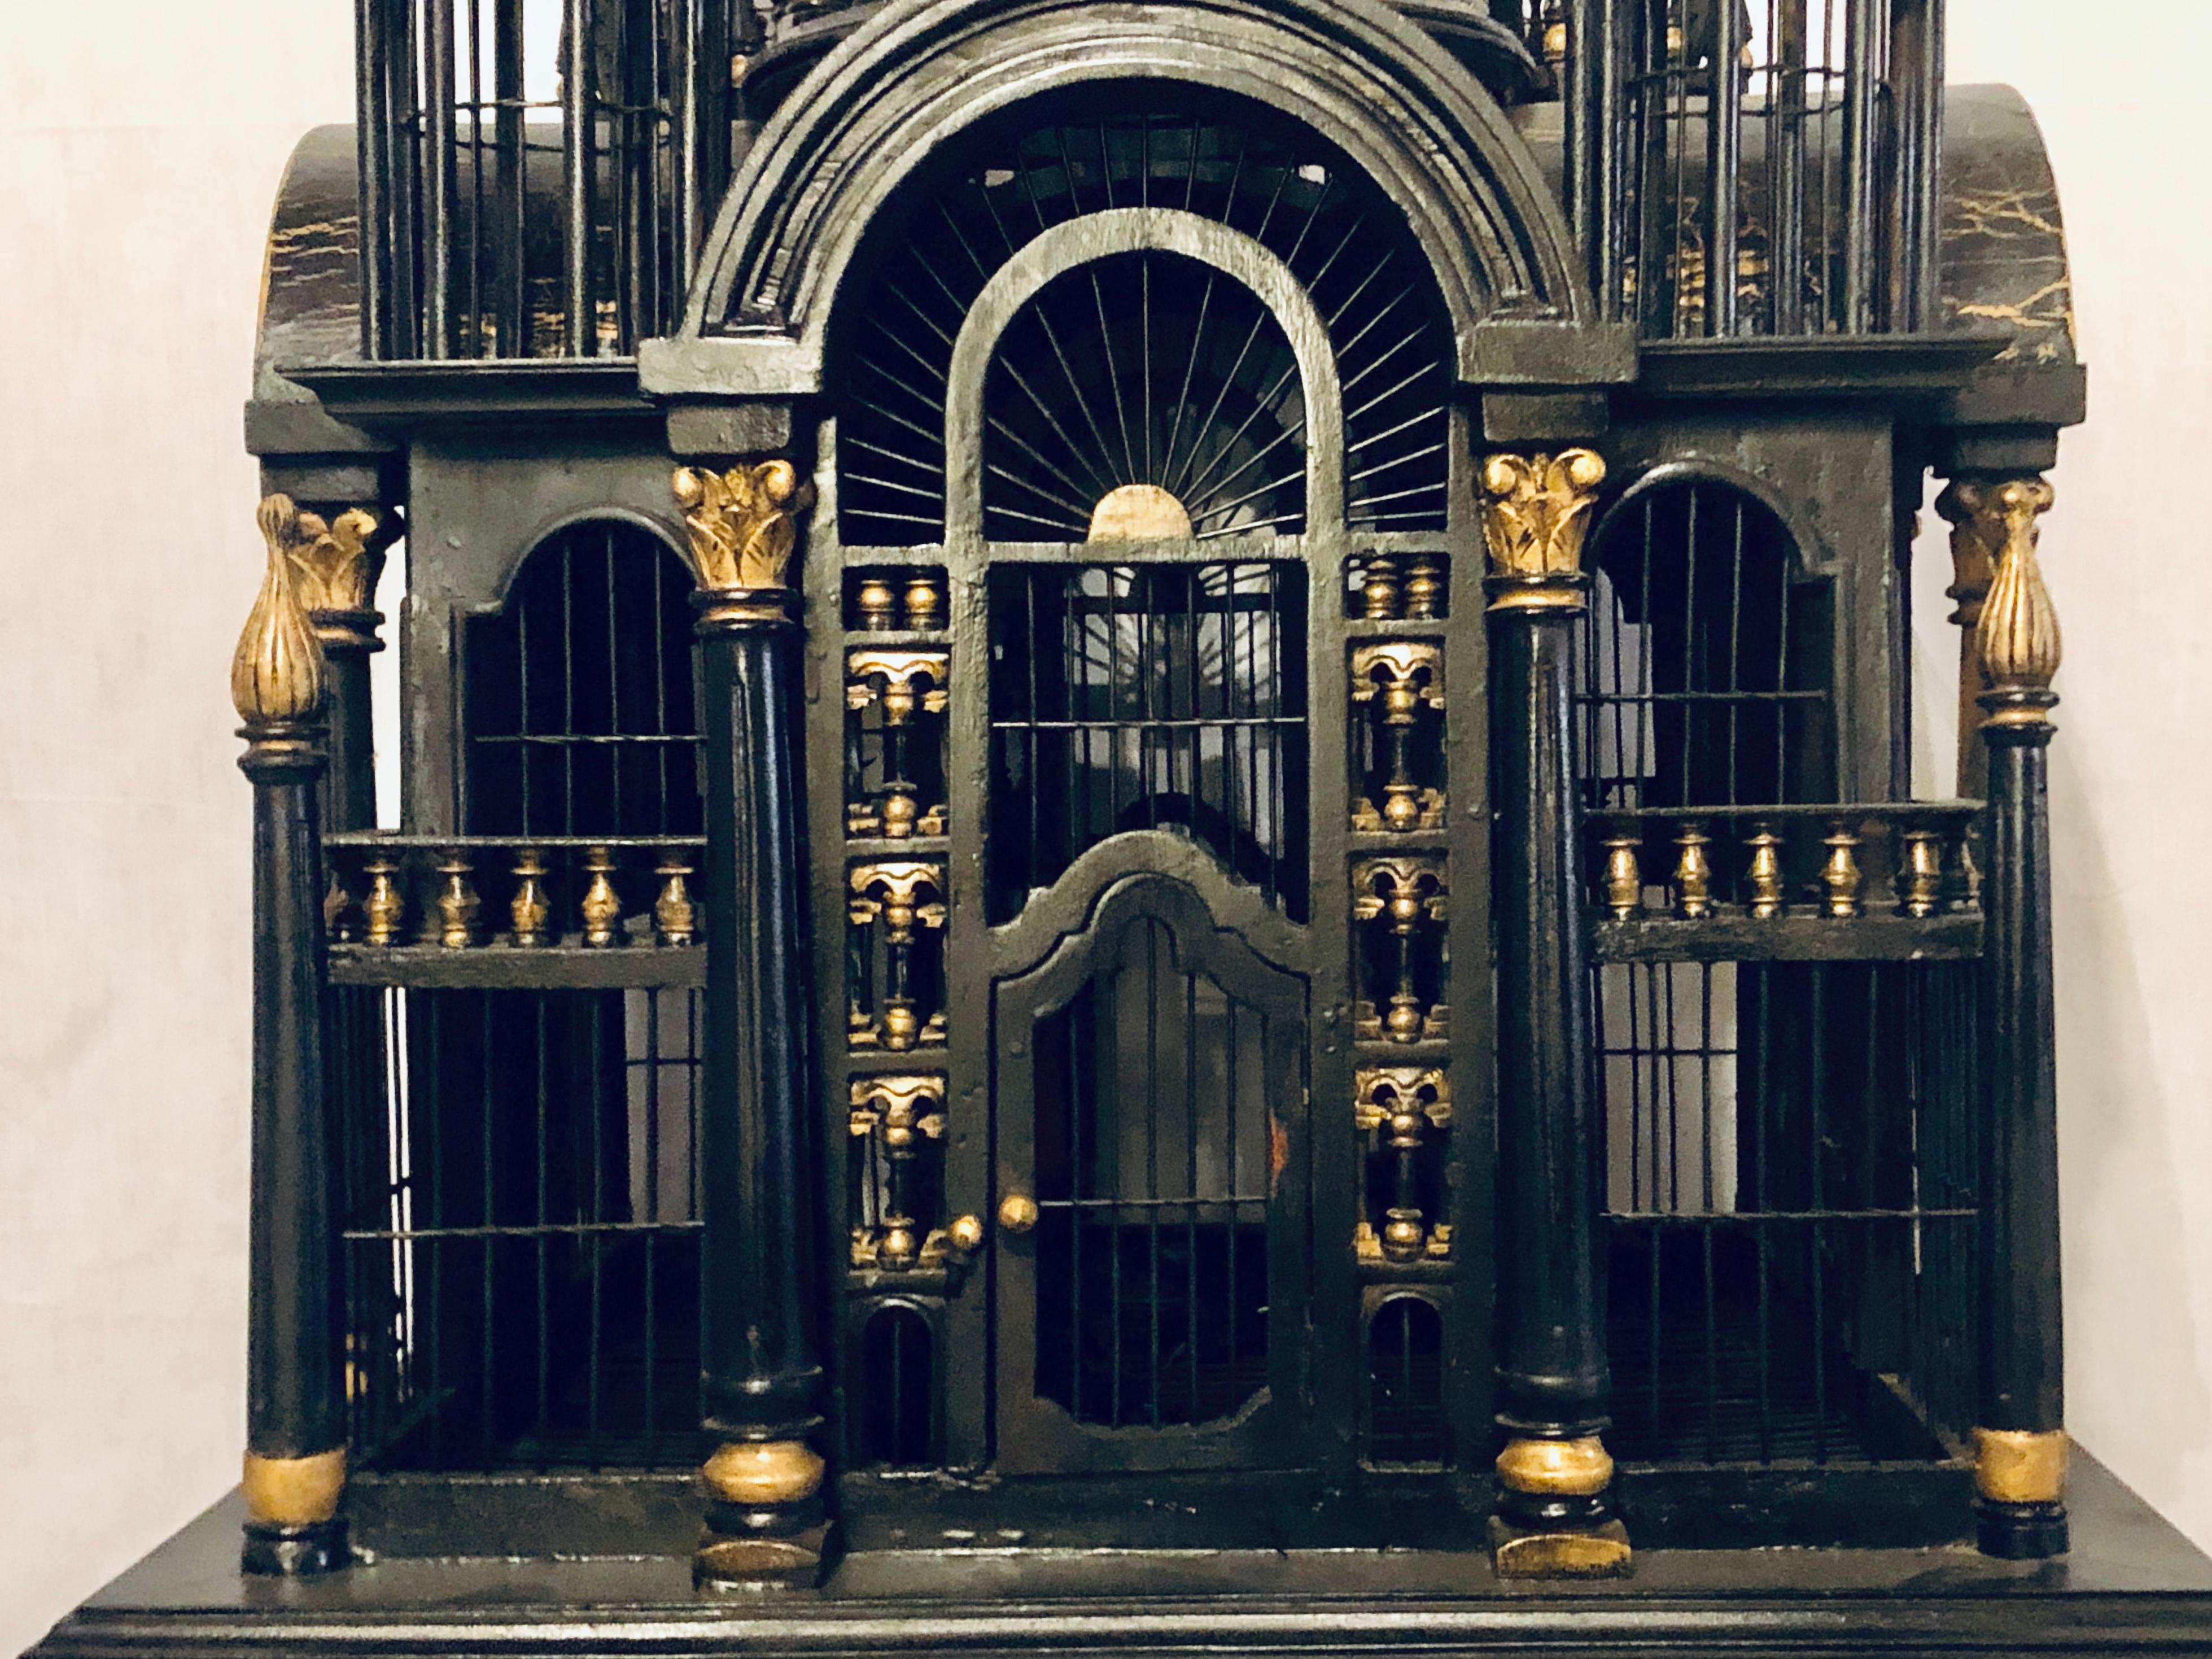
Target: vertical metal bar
[
  {"x": 441, "y": 182},
  {"x": 1815, "y": 1100},
  {"x": 541, "y": 1142},
  {"x": 593, "y": 1238},
  {"x": 434, "y": 1120},
  {"x": 1082, "y": 1188},
  {"x": 615, "y": 631},
  {"x": 1916, "y": 75},
  {"x": 475, "y": 306},
  {"x": 1735, "y": 684},
  {"x": 487, "y": 1393},
  {"x": 405, "y": 125},
  {"x": 1232, "y": 1076},
  {"x": 1588, "y": 139},
  {"x": 1706, "y": 1224},
  {"x": 1152, "y": 1150},
  {"x": 1111, "y": 1149},
  {"x": 373, "y": 167},
  {"x": 509, "y": 244},
  {"x": 1762, "y": 1132},
  {"x": 1609, "y": 22},
  {"x": 1687, "y": 724},
  {"x": 1786, "y": 162},
  {"x": 568, "y": 684},
  {"x": 1724, "y": 157},
  {"x": 577, "y": 114},
  {"x": 1191, "y": 1189},
  {"x": 1862, "y": 48}
]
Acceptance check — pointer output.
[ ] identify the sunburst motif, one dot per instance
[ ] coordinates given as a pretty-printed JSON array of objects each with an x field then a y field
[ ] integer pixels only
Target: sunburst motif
[{"x": 1146, "y": 367}]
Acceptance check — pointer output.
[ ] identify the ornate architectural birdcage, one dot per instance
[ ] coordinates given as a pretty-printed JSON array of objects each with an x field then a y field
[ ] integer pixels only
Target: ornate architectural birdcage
[{"x": 1156, "y": 879}]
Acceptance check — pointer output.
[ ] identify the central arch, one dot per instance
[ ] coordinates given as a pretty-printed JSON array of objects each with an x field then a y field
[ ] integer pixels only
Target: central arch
[{"x": 924, "y": 72}]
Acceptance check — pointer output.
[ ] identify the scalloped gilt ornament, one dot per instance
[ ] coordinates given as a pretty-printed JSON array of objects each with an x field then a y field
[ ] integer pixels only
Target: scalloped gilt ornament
[
  {"x": 743, "y": 524},
  {"x": 277, "y": 673},
  {"x": 337, "y": 563}
]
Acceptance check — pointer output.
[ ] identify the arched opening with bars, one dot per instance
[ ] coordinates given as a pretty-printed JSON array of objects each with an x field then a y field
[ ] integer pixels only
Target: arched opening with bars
[
  {"x": 1406, "y": 1383},
  {"x": 1705, "y": 670},
  {"x": 1154, "y": 1132},
  {"x": 896, "y": 1389},
  {"x": 579, "y": 712},
  {"x": 1166, "y": 374}
]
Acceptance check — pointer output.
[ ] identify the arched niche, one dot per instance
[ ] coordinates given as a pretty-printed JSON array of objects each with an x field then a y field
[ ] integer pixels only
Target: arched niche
[{"x": 882, "y": 108}]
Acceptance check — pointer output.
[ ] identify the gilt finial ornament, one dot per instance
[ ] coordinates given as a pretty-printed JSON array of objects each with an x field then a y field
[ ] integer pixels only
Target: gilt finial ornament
[
  {"x": 2017, "y": 636},
  {"x": 1535, "y": 514},
  {"x": 743, "y": 525},
  {"x": 276, "y": 675}
]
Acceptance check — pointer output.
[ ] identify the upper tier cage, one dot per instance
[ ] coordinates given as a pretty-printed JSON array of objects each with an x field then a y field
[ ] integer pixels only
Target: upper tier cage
[{"x": 538, "y": 176}]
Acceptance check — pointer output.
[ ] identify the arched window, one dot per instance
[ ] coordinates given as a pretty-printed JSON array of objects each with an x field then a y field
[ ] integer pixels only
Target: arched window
[
  {"x": 579, "y": 714},
  {"x": 1704, "y": 657}
]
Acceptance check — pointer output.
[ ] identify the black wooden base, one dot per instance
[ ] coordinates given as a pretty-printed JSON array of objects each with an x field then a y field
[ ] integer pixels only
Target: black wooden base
[
  {"x": 2131, "y": 1585},
  {"x": 2021, "y": 1532},
  {"x": 295, "y": 1551}
]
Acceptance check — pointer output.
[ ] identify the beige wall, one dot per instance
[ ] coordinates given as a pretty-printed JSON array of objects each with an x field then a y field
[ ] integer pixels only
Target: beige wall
[{"x": 139, "y": 143}]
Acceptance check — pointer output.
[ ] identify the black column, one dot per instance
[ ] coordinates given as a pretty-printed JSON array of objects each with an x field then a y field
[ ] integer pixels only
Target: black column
[
  {"x": 2021, "y": 1443},
  {"x": 1555, "y": 1474},
  {"x": 294, "y": 1473},
  {"x": 760, "y": 1163}
]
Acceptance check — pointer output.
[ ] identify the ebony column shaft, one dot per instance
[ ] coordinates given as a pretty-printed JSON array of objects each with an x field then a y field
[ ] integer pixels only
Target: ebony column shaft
[
  {"x": 764, "y": 1245},
  {"x": 348, "y": 794},
  {"x": 763, "y": 1379},
  {"x": 1554, "y": 1473},
  {"x": 294, "y": 1470},
  {"x": 2019, "y": 1437},
  {"x": 296, "y": 1407},
  {"x": 2022, "y": 1413},
  {"x": 1553, "y": 1379}
]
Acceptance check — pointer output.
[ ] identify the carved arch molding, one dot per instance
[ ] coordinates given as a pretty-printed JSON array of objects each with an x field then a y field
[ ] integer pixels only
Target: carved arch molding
[{"x": 892, "y": 100}]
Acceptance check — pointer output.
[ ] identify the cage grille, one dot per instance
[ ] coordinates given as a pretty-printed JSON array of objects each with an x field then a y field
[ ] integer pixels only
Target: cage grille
[
  {"x": 521, "y": 1229},
  {"x": 1148, "y": 697},
  {"x": 521, "y": 1250},
  {"x": 1789, "y": 1211},
  {"x": 1153, "y": 1144},
  {"x": 1142, "y": 368}
]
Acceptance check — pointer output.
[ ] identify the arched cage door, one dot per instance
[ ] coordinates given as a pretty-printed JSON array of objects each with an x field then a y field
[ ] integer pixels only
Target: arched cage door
[
  {"x": 1126, "y": 404},
  {"x": 1151, "y": 1107}
]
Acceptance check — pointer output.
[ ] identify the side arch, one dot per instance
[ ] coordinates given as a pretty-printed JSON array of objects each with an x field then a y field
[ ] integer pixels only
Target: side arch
[{"x": 925, "y": 71}]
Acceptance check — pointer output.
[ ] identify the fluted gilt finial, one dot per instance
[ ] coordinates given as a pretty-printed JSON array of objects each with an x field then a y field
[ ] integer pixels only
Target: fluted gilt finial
[
  {"x": 1535, "y": 514},
  {"x": 743, "y": 525},
  {"x": 2018, "y": 633},
  {"x": 276, "y": 676}
]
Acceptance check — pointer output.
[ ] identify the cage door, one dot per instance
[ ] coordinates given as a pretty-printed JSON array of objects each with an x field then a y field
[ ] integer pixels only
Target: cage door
[{"x": 1151, "y": 1117}]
